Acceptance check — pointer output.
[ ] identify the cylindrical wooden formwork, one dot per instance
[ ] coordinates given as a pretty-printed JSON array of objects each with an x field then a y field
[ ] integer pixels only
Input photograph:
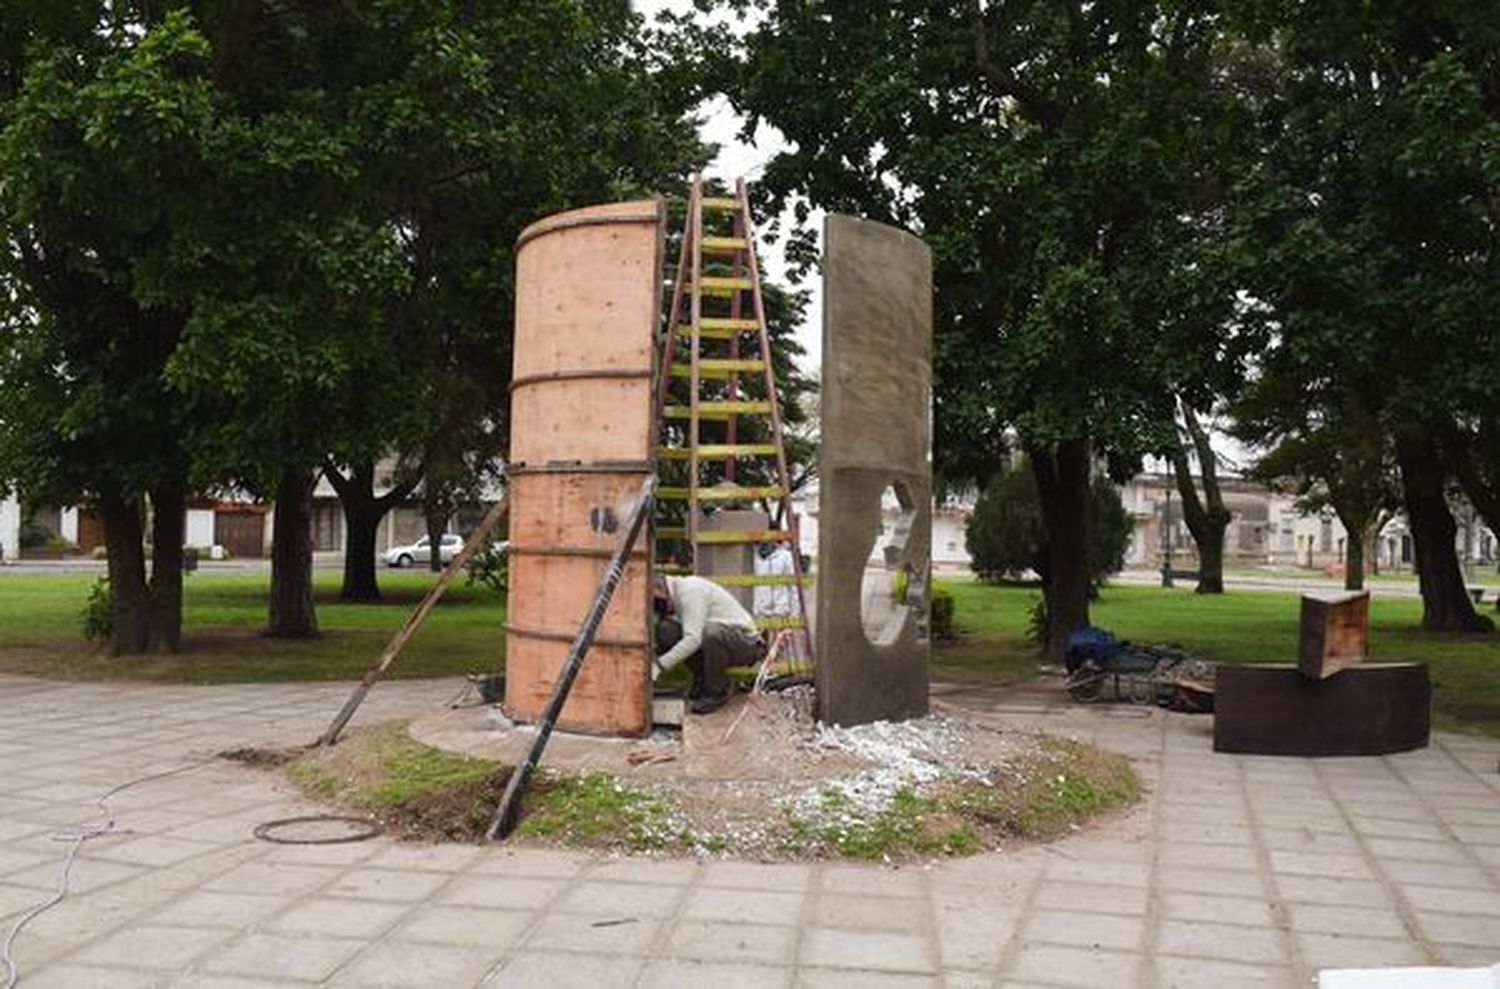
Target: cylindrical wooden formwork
[{"x": 587, "y": 295}]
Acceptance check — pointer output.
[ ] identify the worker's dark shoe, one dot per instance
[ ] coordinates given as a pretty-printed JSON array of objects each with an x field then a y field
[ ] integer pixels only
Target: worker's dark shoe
[{"x": 708, "y": 703}]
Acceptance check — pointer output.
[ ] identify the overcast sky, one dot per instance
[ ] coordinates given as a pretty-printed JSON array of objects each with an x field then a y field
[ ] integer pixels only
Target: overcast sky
[{"x": 747, "y": 159}]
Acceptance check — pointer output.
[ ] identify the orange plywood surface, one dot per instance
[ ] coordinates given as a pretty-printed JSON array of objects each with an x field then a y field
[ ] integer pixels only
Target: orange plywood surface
[{"x": 587, "y": 295}]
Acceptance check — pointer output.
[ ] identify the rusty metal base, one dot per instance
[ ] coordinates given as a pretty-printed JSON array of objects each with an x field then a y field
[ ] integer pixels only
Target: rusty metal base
[{"x": 1370, "y": 709}]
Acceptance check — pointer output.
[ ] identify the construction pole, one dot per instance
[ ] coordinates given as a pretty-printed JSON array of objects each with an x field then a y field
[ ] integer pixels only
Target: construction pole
[
  {"x": 413, "y": 622},
  {"x": 508, "y": 812}
]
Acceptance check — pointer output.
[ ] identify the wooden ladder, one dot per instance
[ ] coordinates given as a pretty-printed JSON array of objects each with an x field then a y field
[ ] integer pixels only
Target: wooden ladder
[{"x": 718, "y": 410}]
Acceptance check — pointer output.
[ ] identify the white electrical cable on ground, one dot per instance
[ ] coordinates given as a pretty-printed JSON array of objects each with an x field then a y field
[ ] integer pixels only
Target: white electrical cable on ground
[{"x": 87, "y": 832}]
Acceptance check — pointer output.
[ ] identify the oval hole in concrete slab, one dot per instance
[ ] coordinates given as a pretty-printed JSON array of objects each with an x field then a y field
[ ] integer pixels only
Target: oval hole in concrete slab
[{"x": 882, "y": 613}]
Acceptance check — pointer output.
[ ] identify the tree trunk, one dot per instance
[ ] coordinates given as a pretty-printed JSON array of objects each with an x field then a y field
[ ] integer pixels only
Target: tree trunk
[
  {"x": 129, "y": 603},
  {"x": 1356, "y": 538},
  {"x": 437, "y": 524},
  {"x": 362, "y": 515},
  {"x": 1446, "y": 605},
  {"x": 1062, "y": 479},
  {"x": 1354, "y": 561},
  {"x": 291, "y": 611},
  {"x": 168, "y": 527},
  {"x": 1206, "y": 519}
]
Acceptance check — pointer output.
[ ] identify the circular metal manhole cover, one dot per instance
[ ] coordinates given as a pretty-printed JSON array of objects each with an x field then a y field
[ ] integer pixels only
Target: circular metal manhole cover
[{"x": 318, "y": 829}]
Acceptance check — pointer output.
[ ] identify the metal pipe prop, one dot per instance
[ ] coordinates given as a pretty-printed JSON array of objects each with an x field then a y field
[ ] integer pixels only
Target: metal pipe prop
[{"x": 508, "y": 812}]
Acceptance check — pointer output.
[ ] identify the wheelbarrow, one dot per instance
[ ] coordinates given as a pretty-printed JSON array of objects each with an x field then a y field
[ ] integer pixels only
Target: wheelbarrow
[{"x": 1103, "y": 668}]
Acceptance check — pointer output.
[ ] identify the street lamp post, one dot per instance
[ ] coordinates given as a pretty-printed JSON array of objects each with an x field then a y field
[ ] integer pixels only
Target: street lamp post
[{"x": 1166, "y": 541}]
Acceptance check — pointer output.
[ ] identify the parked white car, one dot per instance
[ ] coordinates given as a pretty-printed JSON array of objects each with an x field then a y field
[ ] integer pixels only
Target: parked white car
[{"x": 419, "y": 551}]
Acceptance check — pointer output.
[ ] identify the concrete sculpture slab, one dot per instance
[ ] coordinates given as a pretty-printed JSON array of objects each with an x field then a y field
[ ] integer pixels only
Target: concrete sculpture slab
[
  {"x": 875, "y": 474},
  {"x": 587, "y": 302}
]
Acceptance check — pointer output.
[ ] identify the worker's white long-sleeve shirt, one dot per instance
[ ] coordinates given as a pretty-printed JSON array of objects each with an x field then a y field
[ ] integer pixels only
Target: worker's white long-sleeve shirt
[{"x": 697, "y": 602}]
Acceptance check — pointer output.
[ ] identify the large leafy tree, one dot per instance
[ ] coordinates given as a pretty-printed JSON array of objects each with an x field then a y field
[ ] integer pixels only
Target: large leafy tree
[
  {"x": 86, "y": 414},
  {"x": 1066, "y": 164},
  {"x": 295, "y": 221},
  {"x": 1371, "y": 221}
]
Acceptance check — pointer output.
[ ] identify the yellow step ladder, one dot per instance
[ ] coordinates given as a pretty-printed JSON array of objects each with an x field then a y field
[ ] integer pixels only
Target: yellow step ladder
[{"x": 720, "y": 418}]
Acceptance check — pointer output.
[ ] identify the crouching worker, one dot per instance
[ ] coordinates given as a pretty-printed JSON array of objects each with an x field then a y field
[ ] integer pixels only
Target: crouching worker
[{"x": 700, "y": 623}]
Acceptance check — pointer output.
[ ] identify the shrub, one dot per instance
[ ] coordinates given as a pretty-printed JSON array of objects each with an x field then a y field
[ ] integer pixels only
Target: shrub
[
  {"x": 942, "y": 609},
  {"x": 1005, "y": 535},
  {"x": 944, "y": 606},
  {"x": 98, "y": 613},
  {"x": 489, "y": 566}
]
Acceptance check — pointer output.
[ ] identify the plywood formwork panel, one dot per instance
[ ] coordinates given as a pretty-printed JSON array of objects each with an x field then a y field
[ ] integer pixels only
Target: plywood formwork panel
[{"x": 587, "y": 295}]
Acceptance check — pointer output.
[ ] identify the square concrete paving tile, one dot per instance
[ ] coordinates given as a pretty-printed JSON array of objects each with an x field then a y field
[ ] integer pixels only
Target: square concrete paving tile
[
  {"x": 871, "y": 913},
  {"x": 1465, "y": 955},
  {"x": 1225, "y": 942},
  {"x": 1323, "y": 918},
  {"x": 634, "y": 870},
  {"x": 71, "y": 976},
  {"x": 1107, "y": 873},
  {"x": 1085, "y": 930},
  {"x": 352, "y": 854},
  {"x": 153, "y": 947},
  {"x": 338, "y": 918},
  {"x": 598, "y": 934},
  {"x": 417, "y": 966},
  {"x": 541, "y": 863},
  {"x": 1224, "y": 882},
  {"x": 1317, "y": 864},
  {"x": 1130, "y": 900},
  {"x": 871, "y": 880},
  {"x": 386, "y": 884},
  {"x": 479, "y": 926},
  {"x": 264, "y": 878},
  {"x": 843, "y": 978},
  {"x": 1417, "y": 851},
  {"x": 1320, "y": 889},
  {"x": 1453, "y": 928},
  {"x": 716, "y": 941},
  {"x": 154, "y": 850},
  {"x": 87, "y": 875},
  {"x": 1248, "y": 911},
  {"x": 622, "y": 899},
  {"x": 1443, "y": 899},
  {"x": 1196, "y": 973},
  {"x": 1195, "y": 856},
  {"x": 203, "y": 908},
  {"x": 501, "y": 891},
  {"x": 879, "y": 951},
  {"x": 783, "y": 877},
  {"x": 431, "y": 858},
  {"x": 1353, "y": 951},
  {"x": 279, "y": 956},
  {"x": 677, "y": 973},
  {"x": 1063, "y": 966},
  {"x": 555, "y": 970}
]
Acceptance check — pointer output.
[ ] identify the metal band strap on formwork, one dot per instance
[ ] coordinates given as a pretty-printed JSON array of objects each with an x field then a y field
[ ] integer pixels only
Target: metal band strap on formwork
[
  {"x": 568, "y": 223},
  {"x": 600, "y": 554},
  {"x": 582, "y": 374},
  {"x": 537, "y": 633},
  {"x": 580, "y": 467}
]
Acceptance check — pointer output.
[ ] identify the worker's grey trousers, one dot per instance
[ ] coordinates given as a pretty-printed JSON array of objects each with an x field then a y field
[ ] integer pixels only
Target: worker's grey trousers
[{"x": 723, "y": 646}]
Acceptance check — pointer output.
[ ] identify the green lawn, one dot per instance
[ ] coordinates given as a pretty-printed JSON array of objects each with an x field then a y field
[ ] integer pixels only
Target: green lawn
[
  {"x": 1243, "y": 627},
  {"x": 223, "y": 616},
  {"x": 39, "y": 634}
]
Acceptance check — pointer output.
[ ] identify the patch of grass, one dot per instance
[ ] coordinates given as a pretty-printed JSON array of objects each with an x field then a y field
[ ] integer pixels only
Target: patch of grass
[
  {"x": 1238, "y": 627},
  {"x": 1055, "y": 792},
  {"x": 1041, "y": 797},
  {"x": 424, "y": 792},
  {"x": 223, "y": 616},
  {"x": 595, "y": 809}
]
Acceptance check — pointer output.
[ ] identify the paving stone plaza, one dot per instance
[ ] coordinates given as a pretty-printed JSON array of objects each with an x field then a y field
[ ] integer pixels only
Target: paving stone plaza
[{"x": 1233, "y": 871}]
